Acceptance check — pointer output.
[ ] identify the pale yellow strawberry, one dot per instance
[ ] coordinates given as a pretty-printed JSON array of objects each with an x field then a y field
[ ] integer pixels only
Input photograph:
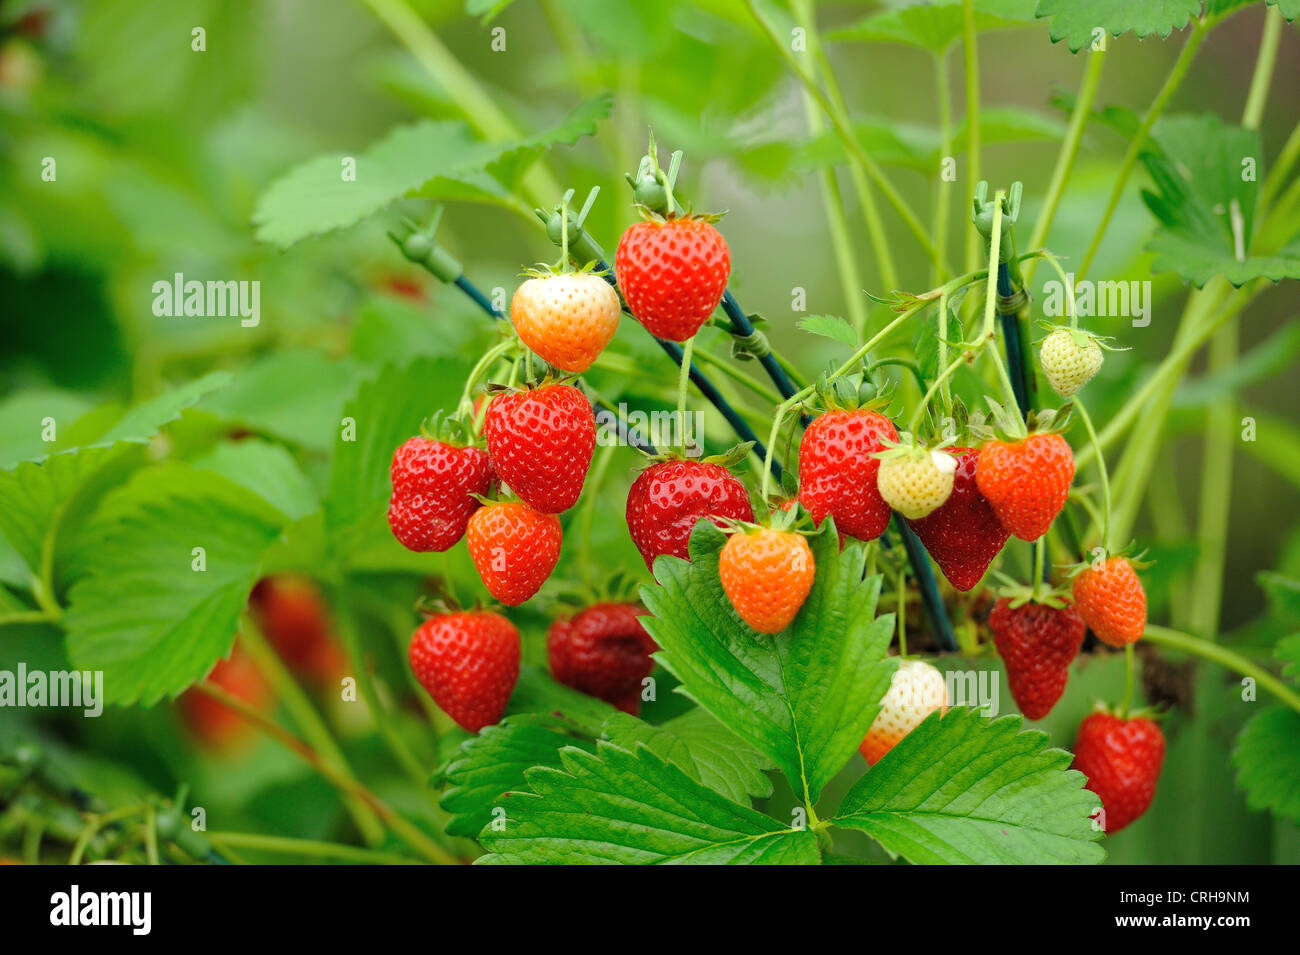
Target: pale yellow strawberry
[
  {"x": 1069, "y": 358},
  {"x": 916, "y": 691},
  {"x": 567, "y": 319},
  {"x": 915, "y": 482}
]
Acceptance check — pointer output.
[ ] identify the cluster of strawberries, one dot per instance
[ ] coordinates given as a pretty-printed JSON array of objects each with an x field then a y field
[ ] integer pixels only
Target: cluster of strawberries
[{"x": 963, "y": 503}]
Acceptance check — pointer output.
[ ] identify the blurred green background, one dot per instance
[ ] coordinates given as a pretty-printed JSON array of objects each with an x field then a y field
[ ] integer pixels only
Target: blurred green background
[{"x": 162, "y": 152}]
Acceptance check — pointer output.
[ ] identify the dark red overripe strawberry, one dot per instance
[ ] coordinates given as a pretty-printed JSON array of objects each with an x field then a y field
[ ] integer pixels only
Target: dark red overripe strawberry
[
  {"x": 433, "y": 487},
  {"x": 469, "y": 663},
  {"x": 1122, "y": 760},
  {"x": 838, "y": 467},
  {"x": 668, "y": 499},
  {"x": 963, "y": 535},
  {"x": 603, "y": 651},
  {"x": 1037, "y": 643},
  {"x": 540, "y": 442},
  {"x": 292, "y": 614}
]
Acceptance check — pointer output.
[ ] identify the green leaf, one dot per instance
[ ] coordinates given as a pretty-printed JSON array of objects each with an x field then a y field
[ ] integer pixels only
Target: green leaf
[
  {"x": 144, "y": 420},
  {"x": 385, "y": 411},
  {"x": 494, "y": 762},
  {"x": 1075, "y": 20},
  {"x": 1204, "y": 205},
  {"x": 268, "y": 470},
  {"x": 1288, "y": 651},
  {"x": 803, "y": 698},
  {"x": 486, "y": 10},
  {"x": 1290, "y": 9},
  {"x": 537, "y": 693},
  {"x": 142, "y": 613},
  {"x": 1268, "y": 762},
  {"x": 616, "y": 806},
  {"x": 830, "y": 326},
  {"x": 961, "y": 789},
  {"x": 317, "y": 197},
  {"x": 22, "y": 417},
  {"x": 701, "y": 747},
  {"x": 935, "y": 26}
]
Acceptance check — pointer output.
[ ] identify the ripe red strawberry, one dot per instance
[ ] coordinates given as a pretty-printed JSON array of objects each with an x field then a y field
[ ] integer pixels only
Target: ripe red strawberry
[
  {"x": 469, "y": 663},
  {"x": 603, "y": 651},
  {"x": 217, "y": 725},
  {"x": 838, "y": 468},
  {"x": 668, "y": 499},
  {"x": 1112, "y": 601},
  {"x": 673, "y": 274},
  {"x": 1037, "y": 643},
  {"x": 433, "y": 488},
  {"x": 292, "y": 614},
  {"x": 1026, "y": 481},
  {"x": 567, "y": 319},
  {"x": 916, "y": 690},
  {"x": 1122, "y": 760},
  {"x": 766, "y": 575},
  {"x": 514, "y": 547},
  {"x": 964, "y": 535},
  {"x": 540, "y": 442}
]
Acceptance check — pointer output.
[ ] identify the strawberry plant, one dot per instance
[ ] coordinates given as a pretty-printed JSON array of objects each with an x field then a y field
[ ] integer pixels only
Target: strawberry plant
[{"x": 335, "y": 527}]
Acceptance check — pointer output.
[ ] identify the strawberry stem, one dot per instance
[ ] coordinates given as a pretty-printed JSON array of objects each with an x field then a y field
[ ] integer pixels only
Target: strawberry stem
[
  {"x": 1101, "y": 470},
  {"x": 683, "y": 379},
  {"x": 1129, "y": 668}
]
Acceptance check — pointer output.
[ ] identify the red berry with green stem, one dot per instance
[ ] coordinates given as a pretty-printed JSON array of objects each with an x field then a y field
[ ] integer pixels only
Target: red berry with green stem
[
  {"x": 1026, "y": 481},
  {"x": 1122, "y": 760},
  {"x": 434, "y": 484},
  {"x": 540, "y": 443},
  {"x": 838, "y": 469},
  {"x": 603, "y": 651},
  {"x": 514, "y": 547},
  {"x": 1037, "y": 643},
  {"x": 963, "y": 535},
  {"x": 668, "y": 498},
  {"x": 468, "y": 661},
  {"x": 672, "y": 272}
]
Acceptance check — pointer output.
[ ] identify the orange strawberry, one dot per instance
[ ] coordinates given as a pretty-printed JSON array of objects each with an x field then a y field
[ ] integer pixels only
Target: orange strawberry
[
  {"x": 567, "y": 319},
  {"x": 1112, "y": 602},
  {"x": 1026, "y": 482},
  {"x": 766, "y": 575},
  {"x": 514, "y": 547}
]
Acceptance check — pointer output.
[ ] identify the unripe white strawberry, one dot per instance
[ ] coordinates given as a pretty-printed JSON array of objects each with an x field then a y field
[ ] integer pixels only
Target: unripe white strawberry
[
  {"x": 1070, "y": 358},
  {"x": 567, "y": 319},
  {"x": 914, "y": 481},
  {"x": 916, "y": 691}
]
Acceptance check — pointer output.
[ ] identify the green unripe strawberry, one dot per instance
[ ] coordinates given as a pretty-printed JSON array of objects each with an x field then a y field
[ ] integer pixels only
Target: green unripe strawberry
[{"x": 1070, "y": 359}]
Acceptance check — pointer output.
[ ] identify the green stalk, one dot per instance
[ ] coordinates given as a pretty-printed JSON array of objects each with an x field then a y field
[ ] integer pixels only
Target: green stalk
[
  {"x": 1101, "y": 470},
  {"x": 942, "y": 188},
  {"x": 479, "y": 109},
  {"x": 684, "y": 383},
  {"x": 747, "y": 381},
  {"x": 1172, "y": 82},
  {"x": 1129, "y": 674},
  {"x": 1186, "y": 643},
  {"x": 970, "y": 56},
  {"x": 308, "y": 722},
  {"x": 591, "y": 493},
  {"x": 1067, "y": 155},
  {"x": 306, "y": 847}
]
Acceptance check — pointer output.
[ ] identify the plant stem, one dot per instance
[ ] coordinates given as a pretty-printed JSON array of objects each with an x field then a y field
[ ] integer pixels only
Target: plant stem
[
  {"x": 683, "y": 382},
  {"x": 410, "y": 834},
  {"x": 306, "y": 718},
  {"x": 843, "y": 129},
  {"x": 591, "y": 493},
  {"x": 1129, "y": 668},
  {"x": 902, "y": 609},
  {"x": 739, "y": 377},
  {"x": 1186, "y": 643},
  {"x": 1065, "y": 158},
  {"x": 306, "y": 847},
  {"x": 481, "y": 368},
  {"x": 1172, "y": 82},
  {"x": 1101, "y": 470},
  {"x": 942, "y": 187},
  {"x": 970, "y": 57}
]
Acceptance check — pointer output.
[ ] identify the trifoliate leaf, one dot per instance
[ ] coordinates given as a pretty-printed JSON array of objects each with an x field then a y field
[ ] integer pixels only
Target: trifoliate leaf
[
  {"x": 803, "y": 698},
  {"x": 1075, "y": 20},
  {"x": 1268, "y": 762},
  {"x": 961, "y": 789},
  {"x": 1206, "y": 175},
  {"x": 339, "y": 190},
  {"x": 830, "y": 326},
  {"x": 701, "y": 747},
  {"x": 153, "y": 611},
  {"x": 616, "y": 806}
]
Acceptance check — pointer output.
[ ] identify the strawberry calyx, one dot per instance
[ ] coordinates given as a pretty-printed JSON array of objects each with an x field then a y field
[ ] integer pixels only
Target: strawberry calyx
[
  {"x": 851, "y": 393},
  {"x": 1082, "y": 337},
  {"x": 450, "y": 429},
  {"x": 1153, "y": 713},
  {"x": 1100, "y": 555},
  {"x": 1018, "y": 594},
  {"x": 652, "y": 189}
]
